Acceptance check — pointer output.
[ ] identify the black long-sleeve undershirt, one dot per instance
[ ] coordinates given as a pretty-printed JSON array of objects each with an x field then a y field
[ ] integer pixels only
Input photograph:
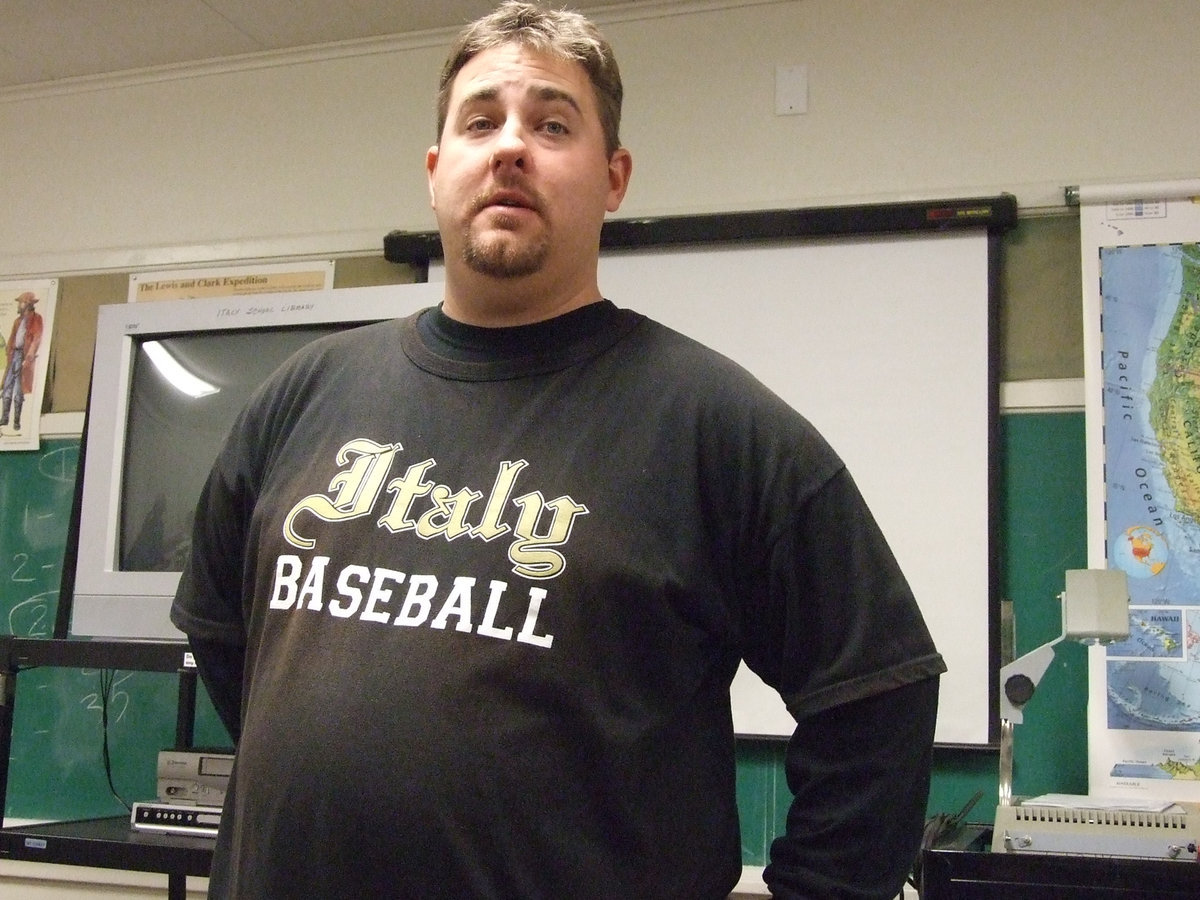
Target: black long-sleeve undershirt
[{"x": 860, "y": 773}]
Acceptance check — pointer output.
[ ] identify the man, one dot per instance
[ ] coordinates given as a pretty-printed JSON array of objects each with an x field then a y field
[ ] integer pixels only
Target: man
[
  {"x": 490, "y": 569},
  {"x": 20, "y": 359}
]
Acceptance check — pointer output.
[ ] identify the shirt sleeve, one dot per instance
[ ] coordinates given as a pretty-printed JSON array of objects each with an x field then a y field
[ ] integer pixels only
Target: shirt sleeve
[
  {"x": 831, "y": 618},
  {"x": 835, "y": 628},
  {"x": 208, "y": 601},
  {"x": 860, "y": 774}
]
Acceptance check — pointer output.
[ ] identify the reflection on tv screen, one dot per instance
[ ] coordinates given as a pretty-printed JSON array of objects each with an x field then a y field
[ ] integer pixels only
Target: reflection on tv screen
[{"x": 185, "y": 392}]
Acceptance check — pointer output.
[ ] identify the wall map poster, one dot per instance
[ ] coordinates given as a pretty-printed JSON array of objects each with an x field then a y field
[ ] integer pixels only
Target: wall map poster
[
  {"x": 26, "y": 322},
  {"x": 1144, "y": 707}
]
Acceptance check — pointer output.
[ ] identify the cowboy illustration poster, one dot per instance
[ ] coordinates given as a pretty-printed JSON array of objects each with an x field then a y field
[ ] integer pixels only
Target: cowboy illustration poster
[{"x": 26, "y": 322}]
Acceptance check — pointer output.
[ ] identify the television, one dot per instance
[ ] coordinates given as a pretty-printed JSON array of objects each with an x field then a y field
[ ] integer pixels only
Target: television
[{"x": 168, "y": 379}]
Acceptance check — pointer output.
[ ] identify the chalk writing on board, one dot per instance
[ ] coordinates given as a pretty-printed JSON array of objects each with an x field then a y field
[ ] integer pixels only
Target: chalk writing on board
[
  {"x": 118, "y": 699},
  {"x": 32, "y": 618},
  {"x": 60, "y": 464},
  {"x": 35, "y": 504},
  {"x": 21, "y": 568}
]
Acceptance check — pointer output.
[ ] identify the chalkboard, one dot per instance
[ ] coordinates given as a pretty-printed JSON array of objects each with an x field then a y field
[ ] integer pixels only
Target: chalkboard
[
  {"x": 36, "y": 487},
  {"x": 56, "y": 764}
]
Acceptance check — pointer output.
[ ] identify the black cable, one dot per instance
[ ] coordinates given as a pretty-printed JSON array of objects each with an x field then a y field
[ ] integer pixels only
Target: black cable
[
  {"x": 106, "y": 685},
  {"x": 937, "y": 829}
]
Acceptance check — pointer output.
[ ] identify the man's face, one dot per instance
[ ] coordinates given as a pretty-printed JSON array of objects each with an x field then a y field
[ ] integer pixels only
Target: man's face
[{"x": 520, "y": 180}]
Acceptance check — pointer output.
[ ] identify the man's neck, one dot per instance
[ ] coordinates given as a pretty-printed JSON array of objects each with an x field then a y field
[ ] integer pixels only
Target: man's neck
[{"x": 495, "y": 303}]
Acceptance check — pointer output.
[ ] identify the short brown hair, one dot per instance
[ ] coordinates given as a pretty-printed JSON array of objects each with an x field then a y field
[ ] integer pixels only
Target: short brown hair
[{"x": 559, "y": 32}]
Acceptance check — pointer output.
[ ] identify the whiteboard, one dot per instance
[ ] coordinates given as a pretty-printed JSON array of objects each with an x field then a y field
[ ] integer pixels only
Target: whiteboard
[{"x": 883, "y": 343}]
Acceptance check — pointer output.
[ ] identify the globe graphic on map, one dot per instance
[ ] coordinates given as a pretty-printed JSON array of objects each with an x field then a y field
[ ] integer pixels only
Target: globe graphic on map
[{"x": 1141, "y": 552}]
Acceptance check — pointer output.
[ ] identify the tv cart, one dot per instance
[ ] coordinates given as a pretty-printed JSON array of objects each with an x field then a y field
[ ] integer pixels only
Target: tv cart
[
  {"x": 955, "y": 873},
  {"x": 106, "y": 843}
]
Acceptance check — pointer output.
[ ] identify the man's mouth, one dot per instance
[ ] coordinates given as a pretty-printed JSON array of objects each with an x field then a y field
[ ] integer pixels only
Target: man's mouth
[{"x": 508, "y": 200}]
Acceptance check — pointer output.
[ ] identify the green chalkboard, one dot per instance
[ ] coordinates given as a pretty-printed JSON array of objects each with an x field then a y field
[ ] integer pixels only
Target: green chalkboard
[
  {"x": 56, "y": 764},
  {"x": 36, "y": 487}
]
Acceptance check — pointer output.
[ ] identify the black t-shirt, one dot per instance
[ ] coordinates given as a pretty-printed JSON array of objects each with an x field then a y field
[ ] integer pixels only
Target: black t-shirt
[{"x": 493, "y": 587}]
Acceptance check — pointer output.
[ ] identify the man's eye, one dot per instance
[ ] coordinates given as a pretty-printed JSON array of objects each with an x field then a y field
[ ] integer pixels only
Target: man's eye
[
  {"x": 554, "y": 127},
  {"x": 479, "y": 124}
]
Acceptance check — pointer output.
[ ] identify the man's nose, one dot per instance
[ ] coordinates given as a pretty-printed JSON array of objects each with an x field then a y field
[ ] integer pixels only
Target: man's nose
[{"x": 511, "y": 148}]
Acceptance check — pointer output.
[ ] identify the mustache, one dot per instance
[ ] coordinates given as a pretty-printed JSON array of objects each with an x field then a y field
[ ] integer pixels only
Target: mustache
[{"x": 511, "y": 193}]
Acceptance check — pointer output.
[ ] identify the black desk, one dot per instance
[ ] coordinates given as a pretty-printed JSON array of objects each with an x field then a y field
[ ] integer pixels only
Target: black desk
[
  {"x": 967, "y": 875},
  {"x": 111, "y": 844}
]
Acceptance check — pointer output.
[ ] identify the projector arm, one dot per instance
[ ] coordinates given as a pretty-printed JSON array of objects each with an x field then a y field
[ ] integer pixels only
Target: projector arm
[
  {"x": 1020, "y": 678},
  {"x": 1095, "y": 609}
]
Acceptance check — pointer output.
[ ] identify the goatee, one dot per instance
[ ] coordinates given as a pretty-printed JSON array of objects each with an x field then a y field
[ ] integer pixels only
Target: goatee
[
  {"x": 501, "y": 258},
  {"x": 504, "y": 253}
]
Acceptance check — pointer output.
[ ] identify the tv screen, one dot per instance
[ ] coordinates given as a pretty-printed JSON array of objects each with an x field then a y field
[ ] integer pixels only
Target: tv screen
[
  {"x": 168, "y": 379},
  {"x": 185, "y": 391}
]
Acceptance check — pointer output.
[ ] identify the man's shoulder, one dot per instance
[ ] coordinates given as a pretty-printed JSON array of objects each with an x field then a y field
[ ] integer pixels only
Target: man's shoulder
[
  {"x": 338, "y": 360},
  {"x": 355, "y": 342},
  {"x": 670, "y": 350}
]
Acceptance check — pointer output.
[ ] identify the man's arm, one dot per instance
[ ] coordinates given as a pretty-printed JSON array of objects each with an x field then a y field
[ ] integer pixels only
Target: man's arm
[
  {"x": 220, "y": 666},
  {"x": 860, "y": 775}
]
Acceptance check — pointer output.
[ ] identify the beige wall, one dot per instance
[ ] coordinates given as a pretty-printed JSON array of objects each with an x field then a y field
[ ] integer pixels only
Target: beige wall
[
  {"x": 20, "y": 880},
  {"x": 322, "y": 152}
]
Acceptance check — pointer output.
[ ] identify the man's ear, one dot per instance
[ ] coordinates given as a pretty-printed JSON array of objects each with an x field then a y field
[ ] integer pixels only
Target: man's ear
[
  {"x": 431, "y": 161},
  {"x": 620, "y": 170}
]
